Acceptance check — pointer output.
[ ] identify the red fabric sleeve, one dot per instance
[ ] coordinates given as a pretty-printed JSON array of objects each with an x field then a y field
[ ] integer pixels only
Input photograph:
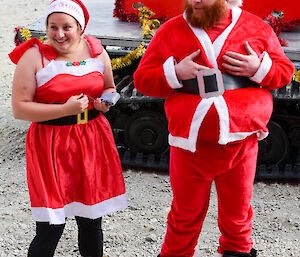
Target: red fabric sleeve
[
  {"x": 18, "y": 52},
  {"x": 282, "y": 68},
  {"x": 149, "y": 78},
  {"x": 95, "y": 45}
]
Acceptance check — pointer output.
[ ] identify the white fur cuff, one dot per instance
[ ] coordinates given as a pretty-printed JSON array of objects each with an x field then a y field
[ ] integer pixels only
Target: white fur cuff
[
  {"x": 169, "y": 70},
  {"x": 263, "y": 69}
]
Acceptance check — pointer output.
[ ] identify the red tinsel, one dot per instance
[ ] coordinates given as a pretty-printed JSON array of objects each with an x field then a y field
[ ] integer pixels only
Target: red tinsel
[
  {"x": 129, "y": 16},
  {"x": 17, "y": 39},
  {"x": 279, "y": 25},
  {"x": 122, "y": 15}
]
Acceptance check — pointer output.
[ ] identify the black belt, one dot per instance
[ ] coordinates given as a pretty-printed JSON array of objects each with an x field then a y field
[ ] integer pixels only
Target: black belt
[
  {"x": 80, "y": 118},
  {"x": 230, "y": 82}
]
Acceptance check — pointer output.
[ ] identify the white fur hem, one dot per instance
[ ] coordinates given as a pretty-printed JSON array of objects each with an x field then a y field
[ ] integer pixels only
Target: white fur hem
[
  {"x": 190, "y": 142},
  {"x": 197, "y": 253},
  {"x": 218, "y": 255},
  {"x": 263, "y": 69},
  {"x": 58, "y": 216},
  {"x": 169, "y": 70},
  {"x": 225, "y": 135}
]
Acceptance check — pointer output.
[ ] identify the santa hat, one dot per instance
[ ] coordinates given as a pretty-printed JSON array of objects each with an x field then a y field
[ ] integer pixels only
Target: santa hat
[
  {"x": 235, "y": 2},
  {"x": 75, "y": 8}
]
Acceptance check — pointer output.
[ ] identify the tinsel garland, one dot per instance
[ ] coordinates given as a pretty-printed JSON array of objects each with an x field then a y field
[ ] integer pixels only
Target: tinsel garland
[
  {"x": 122, "y": 15},
  {"x": 147, "y": 24},
  {"x": 121, "y": 62},
  {"x": 279, "y": 25},
  {"x": 128, "y": 16},
  {"x": 296, "y": 76},
  {"x": 17, "y": 39},
  {"x": 25, "y": 35}
]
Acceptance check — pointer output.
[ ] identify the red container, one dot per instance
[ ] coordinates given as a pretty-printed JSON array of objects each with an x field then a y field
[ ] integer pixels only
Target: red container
[
  {"x": 171, "y": 8},
  {"x": 290, "y": 8}
]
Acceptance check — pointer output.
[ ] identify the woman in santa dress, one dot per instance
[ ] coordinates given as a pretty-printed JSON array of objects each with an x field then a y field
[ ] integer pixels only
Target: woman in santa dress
[{"x": 73, "y": 167}]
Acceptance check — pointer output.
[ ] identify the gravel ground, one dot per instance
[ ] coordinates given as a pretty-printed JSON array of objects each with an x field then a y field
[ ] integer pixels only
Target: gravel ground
[{"x": 138, "y": 230}]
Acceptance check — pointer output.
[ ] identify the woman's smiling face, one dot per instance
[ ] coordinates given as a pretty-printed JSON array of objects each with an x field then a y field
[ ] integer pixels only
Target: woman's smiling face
[{"x": 63, "y": 32}]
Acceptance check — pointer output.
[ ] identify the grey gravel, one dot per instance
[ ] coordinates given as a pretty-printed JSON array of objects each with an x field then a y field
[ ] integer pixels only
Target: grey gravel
[{"x": 139, "y": 230}]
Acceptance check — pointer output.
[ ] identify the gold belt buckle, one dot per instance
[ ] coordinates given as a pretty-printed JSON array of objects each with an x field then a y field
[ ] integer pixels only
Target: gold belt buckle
[{"x": 84, "y": 119}]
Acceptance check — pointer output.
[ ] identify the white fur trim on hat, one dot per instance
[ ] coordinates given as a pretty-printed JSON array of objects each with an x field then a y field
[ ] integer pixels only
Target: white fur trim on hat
[
  {"x": 69, "y": 7},
  {"x": 235, "y": 2}
]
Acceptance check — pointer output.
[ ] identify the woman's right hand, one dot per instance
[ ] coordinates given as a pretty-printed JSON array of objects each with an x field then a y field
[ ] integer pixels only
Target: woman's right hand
[{"x": 76, "y": 104}]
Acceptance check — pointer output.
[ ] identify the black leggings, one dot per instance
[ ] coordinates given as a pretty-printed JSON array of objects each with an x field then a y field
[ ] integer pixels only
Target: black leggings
[{"x": 90, "y": 238}]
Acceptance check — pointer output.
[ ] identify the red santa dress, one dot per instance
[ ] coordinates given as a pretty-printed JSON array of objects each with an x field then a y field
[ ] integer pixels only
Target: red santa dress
[
  {"x": 213, "y": 139},
  {"x": 72, "y": 170}
]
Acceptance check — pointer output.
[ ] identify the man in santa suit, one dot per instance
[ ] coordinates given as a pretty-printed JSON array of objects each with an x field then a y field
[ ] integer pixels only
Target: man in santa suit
[{"x": 213, "y": 133}]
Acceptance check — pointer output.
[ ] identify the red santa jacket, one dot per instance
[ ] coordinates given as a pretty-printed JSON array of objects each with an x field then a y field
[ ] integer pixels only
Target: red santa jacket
[{"x": 236, "y": 114}]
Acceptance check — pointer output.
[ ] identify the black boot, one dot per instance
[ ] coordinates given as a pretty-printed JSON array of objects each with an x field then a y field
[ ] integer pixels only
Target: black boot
[
  {"x": 235, "y": 254},
  {"x": 253, "y": 253}
]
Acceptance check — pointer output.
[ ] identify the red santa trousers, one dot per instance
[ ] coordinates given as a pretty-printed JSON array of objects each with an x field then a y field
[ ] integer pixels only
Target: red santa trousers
[{"x": 232, "y": 167}]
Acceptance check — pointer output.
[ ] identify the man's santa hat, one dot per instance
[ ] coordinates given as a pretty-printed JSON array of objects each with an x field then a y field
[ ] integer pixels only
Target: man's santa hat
[
  {"x": 235, "y": 2},
  {"x": 75, "y": 8}
]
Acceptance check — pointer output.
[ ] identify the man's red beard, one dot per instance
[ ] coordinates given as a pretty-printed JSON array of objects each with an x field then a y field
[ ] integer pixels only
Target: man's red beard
[{"x": 210, "y": 16}]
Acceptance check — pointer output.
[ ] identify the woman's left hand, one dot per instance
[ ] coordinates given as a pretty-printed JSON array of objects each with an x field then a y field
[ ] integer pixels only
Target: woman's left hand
[
  {"x": 101, "y": 106},
  {"x": 241, "y": 65}
]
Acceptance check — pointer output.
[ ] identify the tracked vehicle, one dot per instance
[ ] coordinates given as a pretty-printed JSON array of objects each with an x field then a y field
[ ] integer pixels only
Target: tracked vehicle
[{"x": 139, "y": 123}]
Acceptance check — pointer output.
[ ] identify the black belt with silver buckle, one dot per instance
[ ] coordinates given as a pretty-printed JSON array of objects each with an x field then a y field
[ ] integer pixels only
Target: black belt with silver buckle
[
  {"x": 80, "y": 118},
  {"x": 230, "y": 82}
]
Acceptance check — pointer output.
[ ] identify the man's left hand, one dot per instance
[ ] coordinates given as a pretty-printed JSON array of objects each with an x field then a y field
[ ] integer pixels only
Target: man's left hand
[{"x": 241, "y": 65}]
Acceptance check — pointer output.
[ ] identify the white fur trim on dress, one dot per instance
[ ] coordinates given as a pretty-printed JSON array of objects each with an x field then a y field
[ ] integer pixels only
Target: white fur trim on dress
[
  {"x": 58, "y": 216},
  {"x": 197, "y": 252},
  {"x": 263, "y": 69},
  {"x": 59, "y": 67},
  {"x": 169, "y": 71},
  {"x": 69, "y": 7}
]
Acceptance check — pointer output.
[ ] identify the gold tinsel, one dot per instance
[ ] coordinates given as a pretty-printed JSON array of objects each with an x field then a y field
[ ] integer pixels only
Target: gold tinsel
[
  {"x": 25, "y": 33},
  {"x": 148, "y": 25},
  {"x": 296, "y": 76},
  {"x": 118, "y": 63},
  {"x": 42, "y": 39}
]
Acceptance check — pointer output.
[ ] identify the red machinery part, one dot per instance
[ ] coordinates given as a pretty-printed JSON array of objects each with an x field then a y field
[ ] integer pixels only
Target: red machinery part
[
  {"x": 291, "y": 9},
  {"x": 171, "y": 8}
]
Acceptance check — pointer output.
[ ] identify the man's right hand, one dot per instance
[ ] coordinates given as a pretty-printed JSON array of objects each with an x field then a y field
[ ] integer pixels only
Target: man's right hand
[{"x": 187, "y": 68}]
